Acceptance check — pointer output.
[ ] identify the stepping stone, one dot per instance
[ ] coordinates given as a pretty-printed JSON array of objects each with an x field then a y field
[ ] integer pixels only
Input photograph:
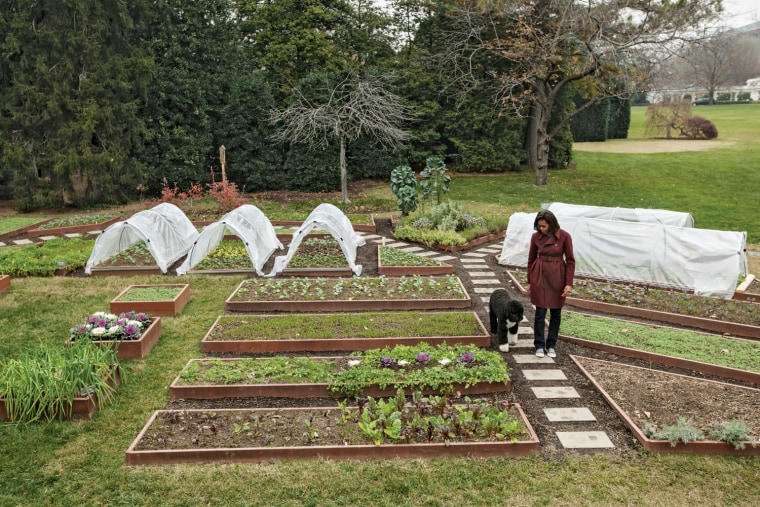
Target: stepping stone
[
  {"x": 2, "y": 244},
  {"x": 465, "y": 260},
  {"x": 523, "y": 344},
  {"x": 483, "y": 290},
  {"x": 94, "y": 233},
  {"x": 412, "y": 249},
  {"x": 482, "y": 273},
  {"x": 546, "y": 393},
  {"x": 398, "y": 244},
  {"x": 445, "y": 258},
  {"x": 525, "y": 330},
  {"x": 426, "y": 254},
  {"x": 474, "y": 254},
  {"x": 572, "y": 414},
  {"x": 490, "y": 250},
  {"x": 490, "y": 281},
  {"x": 373, "y": 236},
  {"x": 72, "y": 235},
  {"x": 531, "y": 359},
  {"x": 584, "y": 440},
  {"x": 544, "y": 375},
  {"x": 23, "y": 242},
  {"x": 48, "y": 238}
]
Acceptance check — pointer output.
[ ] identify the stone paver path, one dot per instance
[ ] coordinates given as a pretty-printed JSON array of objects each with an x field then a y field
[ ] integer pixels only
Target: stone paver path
[{"x": 540, "y": 373}]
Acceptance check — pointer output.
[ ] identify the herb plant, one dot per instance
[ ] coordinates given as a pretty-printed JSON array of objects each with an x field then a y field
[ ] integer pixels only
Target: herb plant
[{"x": 151, "y": 294}]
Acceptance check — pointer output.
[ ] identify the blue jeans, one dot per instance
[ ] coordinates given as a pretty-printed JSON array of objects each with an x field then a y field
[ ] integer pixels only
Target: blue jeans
[{"x": 555, "y": 316}]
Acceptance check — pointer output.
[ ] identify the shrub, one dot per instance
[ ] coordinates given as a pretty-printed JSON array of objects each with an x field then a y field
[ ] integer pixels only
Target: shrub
[
  {"x": 698, "y": 127},
  {"x": 724, "y": 97},
  {"x": 744, "y": 96}
]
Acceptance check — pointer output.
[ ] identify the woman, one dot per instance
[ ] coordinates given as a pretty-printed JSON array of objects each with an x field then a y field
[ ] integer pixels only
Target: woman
[{"x": 551, "y": 269}]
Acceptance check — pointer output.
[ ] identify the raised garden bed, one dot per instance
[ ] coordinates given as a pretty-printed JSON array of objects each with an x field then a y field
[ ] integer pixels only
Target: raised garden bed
[
  {"x": 132, "y": 349},
  {"x": 356, "y": 294},
  {"x": 5, "y": 283},
  {"x": 630, "y": 400},
  {"x": 21, "y": 230},
  {"x": 254, "y": 435},
  {"x": 359, "y": 223},
  {"x": 357, "y": 375},
  {"x": 344, "y": 332},
  {"x": 70, "y": 229},
  {"x": 135, "y": 260},
  {"x": 471, "y": 244},
  {"x": 643, "y": 310},
  {"x": 318, "y": 257},
  {"x": 394, "y": 262},
  {"x": 147, "y": 299},
  {"x": 82, "y": 406}
]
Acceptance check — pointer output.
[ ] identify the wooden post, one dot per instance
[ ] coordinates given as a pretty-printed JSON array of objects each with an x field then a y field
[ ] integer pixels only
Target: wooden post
[{"x": 223, "y": 160}]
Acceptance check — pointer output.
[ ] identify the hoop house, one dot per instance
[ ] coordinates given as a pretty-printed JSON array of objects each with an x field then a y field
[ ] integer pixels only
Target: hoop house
[
  {"x": 329, "y": 218},
  {"x": 651, "y": 216},
  {"x": 706, "y": 261},
  {"x": 165, "y": 229},
  {"x": 249, "y": 224}
]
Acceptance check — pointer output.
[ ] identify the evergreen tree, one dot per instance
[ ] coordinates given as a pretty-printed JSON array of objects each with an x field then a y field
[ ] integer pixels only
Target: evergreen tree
[{"x": 70, "y": 82}]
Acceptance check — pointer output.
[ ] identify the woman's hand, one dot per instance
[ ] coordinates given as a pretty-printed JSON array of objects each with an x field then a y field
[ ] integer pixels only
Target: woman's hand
[{"x": 567, "y": 291}]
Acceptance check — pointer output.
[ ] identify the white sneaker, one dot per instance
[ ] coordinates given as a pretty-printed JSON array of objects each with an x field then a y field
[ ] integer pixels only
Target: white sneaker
[
  {"x": 540, "y": 353},
  {"x": 551, "y": 353}
]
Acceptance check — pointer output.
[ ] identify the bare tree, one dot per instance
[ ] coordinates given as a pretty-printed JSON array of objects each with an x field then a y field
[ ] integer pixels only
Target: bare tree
[
  {"x": 724, "y": 58},
  {"x": 352, "y": 108},
  {"x": 528, "y": 51}
]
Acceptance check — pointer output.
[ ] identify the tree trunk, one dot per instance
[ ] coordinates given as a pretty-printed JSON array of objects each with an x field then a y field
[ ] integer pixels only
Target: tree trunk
[
  {"x": 536, "y": 135},
  {"x": 343, "y": 171}
]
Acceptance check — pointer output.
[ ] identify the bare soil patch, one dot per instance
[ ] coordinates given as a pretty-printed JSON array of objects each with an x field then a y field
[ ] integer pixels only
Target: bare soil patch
[{"x": 651, "y": 146}]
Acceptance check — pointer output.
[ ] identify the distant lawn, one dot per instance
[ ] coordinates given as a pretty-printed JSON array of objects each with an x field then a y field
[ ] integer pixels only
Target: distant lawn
[
  {"x": 17, "y": 222},
  {"x": 718, "y": 187}
]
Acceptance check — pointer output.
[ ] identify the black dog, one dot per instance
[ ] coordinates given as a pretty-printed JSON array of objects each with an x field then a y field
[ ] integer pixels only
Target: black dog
[{"x": 506, "y": 314}]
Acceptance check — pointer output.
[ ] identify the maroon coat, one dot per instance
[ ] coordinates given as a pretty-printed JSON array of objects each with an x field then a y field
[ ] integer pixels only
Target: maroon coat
[{"x": 548, "y": 271}]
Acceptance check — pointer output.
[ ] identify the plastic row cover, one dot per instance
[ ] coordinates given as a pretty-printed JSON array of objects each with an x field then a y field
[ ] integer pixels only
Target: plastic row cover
[
  {"x": 706, "y": 261},
  {"x": 165, "y": 229},
  {"x": 250, "y": 225},
  {"x": 330, "y": 218},
  {"x": 652, "y": 216}
]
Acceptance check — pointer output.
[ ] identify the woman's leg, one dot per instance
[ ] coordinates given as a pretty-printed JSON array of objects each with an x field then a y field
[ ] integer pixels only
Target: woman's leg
[
  {"x": 538, "y": 329},
  {"x": 555, "y": 317}
]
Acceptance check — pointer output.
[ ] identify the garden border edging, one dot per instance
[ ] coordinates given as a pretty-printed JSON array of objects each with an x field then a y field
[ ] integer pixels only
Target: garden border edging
[{"x": 710, "y": 447}]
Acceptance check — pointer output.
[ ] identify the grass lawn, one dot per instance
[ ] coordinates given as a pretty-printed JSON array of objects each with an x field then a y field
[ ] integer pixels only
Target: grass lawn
[{"x": 82, "y": 463}]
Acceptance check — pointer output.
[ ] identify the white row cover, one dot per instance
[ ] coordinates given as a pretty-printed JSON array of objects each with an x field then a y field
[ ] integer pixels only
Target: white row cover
[
  {"x": 165, "y": 229},
  {"x": 652, "y": 216},
  {"x": 332, "y": 219},
  {"x": 706, "y": 261},
  {"x": 250, "y": 225}
]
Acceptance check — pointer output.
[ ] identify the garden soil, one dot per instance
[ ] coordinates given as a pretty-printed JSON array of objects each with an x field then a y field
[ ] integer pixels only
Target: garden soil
[{"x": 658, "y": 400}]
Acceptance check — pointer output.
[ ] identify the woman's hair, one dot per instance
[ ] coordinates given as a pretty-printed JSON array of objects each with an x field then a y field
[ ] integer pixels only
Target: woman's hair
[{"x": 550, "y": 219}]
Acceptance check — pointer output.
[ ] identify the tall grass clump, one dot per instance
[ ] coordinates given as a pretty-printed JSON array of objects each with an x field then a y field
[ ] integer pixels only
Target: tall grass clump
[{"x": 42, "y": 383}]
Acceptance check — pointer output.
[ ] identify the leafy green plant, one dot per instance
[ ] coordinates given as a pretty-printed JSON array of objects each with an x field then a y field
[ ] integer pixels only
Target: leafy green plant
[
  {"x": 435, "y": 181},
  {"x": 17, "y": 222},
  {"x": 404, "y": 187},
  {"x": 229, "y": 254},
  {"x": 42, "y": 383},
  {"x": 419, "y": 367},
  {"x": 43, "y": 260},
  {"x": 390, "y": 256},
  {"x": 310, "y": 289},
  {"x": 73, "y": 220},
  {"x": 151, "y": 294},
  {"x": 346, "y": 325},
  {"x": 682, "y": 431},
  {"x": 734, "y": 432},
  {"x": 447, "y": 224},
  {"x": 434, "y": 419},
  {"x": 318, "y": 253}
]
